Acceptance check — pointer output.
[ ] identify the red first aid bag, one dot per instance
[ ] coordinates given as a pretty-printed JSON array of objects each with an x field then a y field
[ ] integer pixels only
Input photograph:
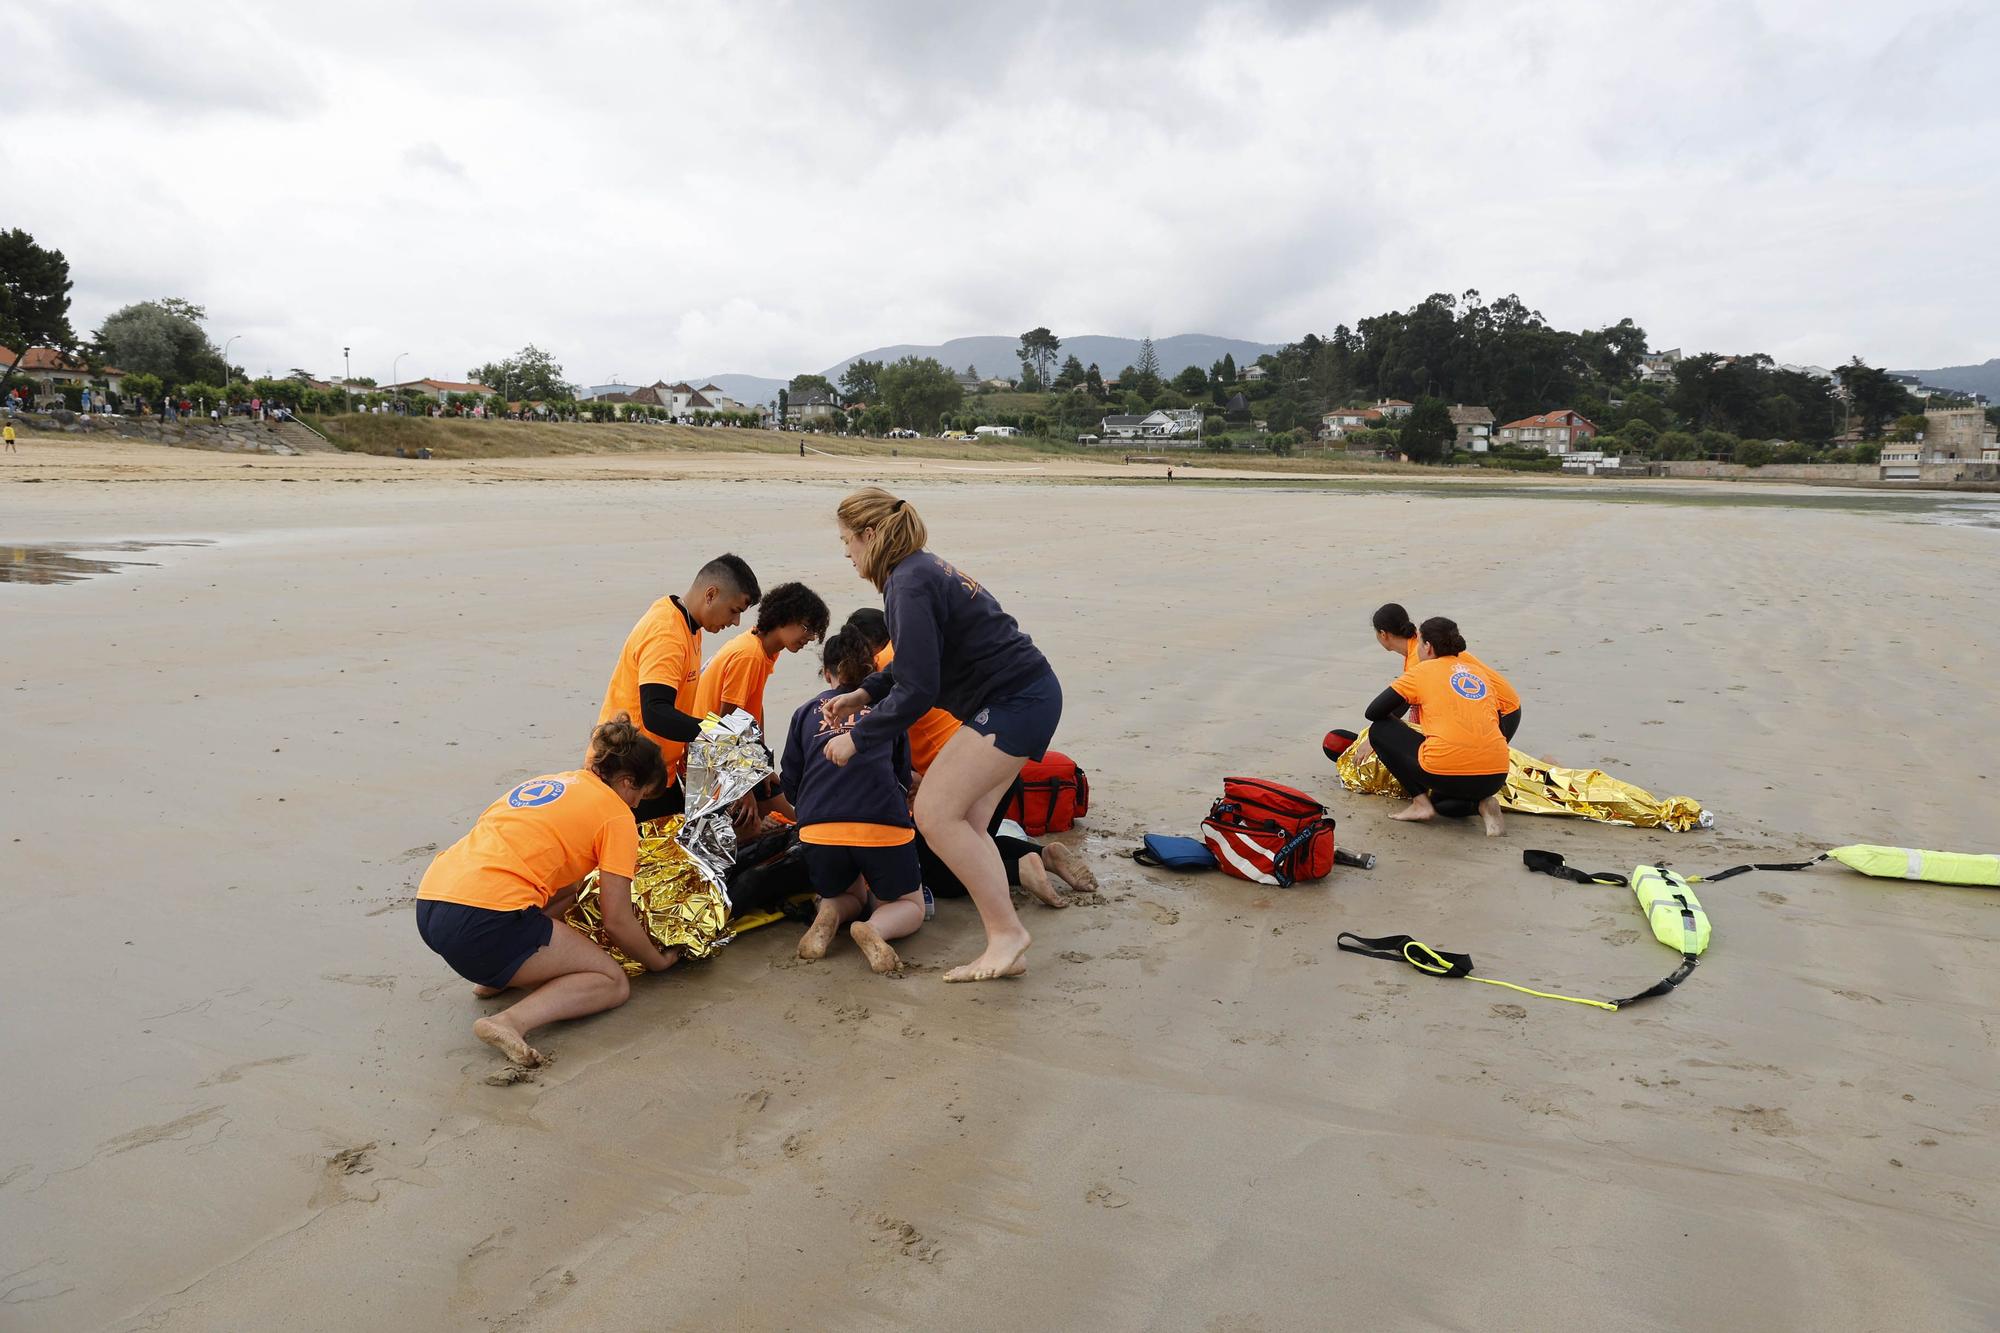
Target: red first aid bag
[
  {"x": 1269, "y": 833},
  {"x": 1054, "y": 794}
]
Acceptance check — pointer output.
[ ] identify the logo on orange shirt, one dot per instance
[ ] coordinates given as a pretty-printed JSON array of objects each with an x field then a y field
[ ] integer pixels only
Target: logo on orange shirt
[
  {"x": 530, "y": 794},
  {"x": 1467, "y": 685}
]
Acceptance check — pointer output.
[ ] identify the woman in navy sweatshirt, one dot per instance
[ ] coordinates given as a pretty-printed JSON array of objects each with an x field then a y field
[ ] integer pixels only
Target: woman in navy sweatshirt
[
  {"x": 955, "y": 650},
  {"x": 854, "y": 821}
]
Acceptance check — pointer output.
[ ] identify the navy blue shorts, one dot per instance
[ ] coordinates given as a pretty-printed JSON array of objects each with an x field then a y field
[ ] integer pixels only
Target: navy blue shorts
[
  {"x": 1023, "y": 723},
  {"x": 484, "y": 946},
  {"x": 892, "y": 872}
]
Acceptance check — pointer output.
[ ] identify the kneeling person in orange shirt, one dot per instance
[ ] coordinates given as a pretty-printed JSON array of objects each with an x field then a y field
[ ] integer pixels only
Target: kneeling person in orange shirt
[
  {"x": 1469, "y": 713},
  {"x": 491, "y": 904},
  {"x": 658, "y": 672}
]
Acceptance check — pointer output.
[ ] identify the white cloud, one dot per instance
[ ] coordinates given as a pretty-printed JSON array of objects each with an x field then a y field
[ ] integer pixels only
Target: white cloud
[{"x": 770, "y": 187}]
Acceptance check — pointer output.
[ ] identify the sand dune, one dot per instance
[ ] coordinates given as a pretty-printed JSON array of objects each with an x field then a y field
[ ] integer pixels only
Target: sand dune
[{"x": 243, "y": 1095}]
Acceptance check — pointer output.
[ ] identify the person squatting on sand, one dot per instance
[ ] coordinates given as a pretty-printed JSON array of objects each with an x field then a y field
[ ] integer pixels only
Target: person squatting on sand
[
  {"x": 789, "y": 617},
  {"x": 854, "y": 820},
  {"x": 1028, "y": 864},
  {"x": 955, "y": 650},
  {"x": 491, "y": 903},
  {"x": 1470, "y": 712},
  {"x": 658, "y": 672}
]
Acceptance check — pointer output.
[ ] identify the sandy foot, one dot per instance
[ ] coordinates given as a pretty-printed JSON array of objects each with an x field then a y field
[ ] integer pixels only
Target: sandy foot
[
  {"x": 507, "y": 1041},
  {"x": 1491, "y": 816},
  {"x": 1069, "y": 867},
  {"x": 819, "y": 936},
  {"x": 1035, "y": 880},
  {"x": 1003, "y": 958},
  {"x": 1418, "y": 812},
  {"x": 881, "y": 955}
]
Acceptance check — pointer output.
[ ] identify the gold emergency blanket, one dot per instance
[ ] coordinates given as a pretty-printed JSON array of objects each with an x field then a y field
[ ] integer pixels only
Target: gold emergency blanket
[
  {"x": 680, "y": 889},
  {"x": 1538, "y": 788}
]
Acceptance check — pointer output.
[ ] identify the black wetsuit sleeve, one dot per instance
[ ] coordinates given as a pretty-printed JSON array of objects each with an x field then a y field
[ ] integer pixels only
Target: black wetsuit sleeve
[
  {"x": 659, "y": 716},
  {"x": 1510, "y": 723},
  {"x": 1386, "y": 705}
]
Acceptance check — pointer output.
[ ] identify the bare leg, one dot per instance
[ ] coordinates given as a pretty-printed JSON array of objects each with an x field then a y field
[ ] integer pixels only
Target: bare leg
[
  {"x": 833, "y": 913},
  {"x": 1069, "y": 867},
  {"x": 570, "y": 977},
  {"x": 889, "y": 921},
  {"x": 1420, "y": 809},
  {"x": 954, "y": 803},
  {"x": 1035, "y": 880},
  {"x": 1490, "y": 815}
]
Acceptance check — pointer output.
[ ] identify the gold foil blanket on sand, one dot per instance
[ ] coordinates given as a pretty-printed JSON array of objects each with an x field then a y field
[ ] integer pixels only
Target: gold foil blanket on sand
[
  {"x": 680, "y": 891},
  {"x": 1535, "y": 787}
]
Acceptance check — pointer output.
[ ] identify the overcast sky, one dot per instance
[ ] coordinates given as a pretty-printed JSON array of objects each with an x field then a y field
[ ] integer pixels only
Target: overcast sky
[{"x": 656, "y": 189}]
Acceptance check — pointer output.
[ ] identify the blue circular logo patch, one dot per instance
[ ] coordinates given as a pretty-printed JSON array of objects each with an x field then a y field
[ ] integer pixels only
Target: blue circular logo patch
[
  {"x": 1466, "y": 685},
  {"x": 530, "y": 794}
]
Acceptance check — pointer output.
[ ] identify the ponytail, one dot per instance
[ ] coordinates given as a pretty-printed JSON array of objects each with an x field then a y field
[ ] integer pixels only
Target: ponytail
[
  {"x": 897, "y": 531},
  {"x": 619, "y": 749},
  {"x": 1443, "y": 636},
  {"x": 848, "y": 657},
  {"x": 1393, "y": 620}
]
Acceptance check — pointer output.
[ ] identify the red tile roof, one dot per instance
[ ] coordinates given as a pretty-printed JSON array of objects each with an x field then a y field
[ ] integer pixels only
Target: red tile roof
[
  {"x": 48, "y": 358},
  {"x": 1558, "y": 419}
]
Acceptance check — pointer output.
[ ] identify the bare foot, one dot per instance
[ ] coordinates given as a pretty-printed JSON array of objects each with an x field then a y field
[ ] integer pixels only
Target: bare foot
[
  {"x": 1036, "y": 881},
  {"x": 1491, "y": 816},
  {"x": 1070, "y": 868},
  {"x": 507, "y": 1041},
  {"x": 1004, "y": 957},
  {"x": 1420, "y": 810},
  {"x": 819, "y": 936},
  {"x": 487, "y": 992},
  {"x": 881, "y": 956}
]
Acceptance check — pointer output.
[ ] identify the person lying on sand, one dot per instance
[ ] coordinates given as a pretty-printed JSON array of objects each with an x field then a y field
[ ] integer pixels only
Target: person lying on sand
[
  {"x": 1462, "y": 753},
  {"x": 491, "y": 903},
  {"x": 658, "y": 671},
  {"x": 956, "y": 649},
  {"x": 854, "y": 821}
]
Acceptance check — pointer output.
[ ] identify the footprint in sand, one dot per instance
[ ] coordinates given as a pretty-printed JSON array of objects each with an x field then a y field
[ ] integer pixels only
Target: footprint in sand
[
  {"x": 1770, "y": 1120},
  {"x": 1510, "y": 1010},
  {"x": 1074, "y": 956},
  {"x": 1776, "y": 899},
  {"x": 1104, "y": 1196},
  {"x": 906, "y": 1239},
  {"x": 1162, "y": 914},
  {"x": 509, "y": 1075}
]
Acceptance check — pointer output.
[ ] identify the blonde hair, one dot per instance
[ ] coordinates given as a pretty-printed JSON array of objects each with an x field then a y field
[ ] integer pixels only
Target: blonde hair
[{"x": 899, "y": 532}]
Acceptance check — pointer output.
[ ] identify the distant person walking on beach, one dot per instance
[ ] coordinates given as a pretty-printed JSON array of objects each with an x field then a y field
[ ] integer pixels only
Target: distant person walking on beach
[
  {"x": 7, "y": 433},
  {"x": 1469, "y": 712},
  {"x": 491, "y": 904},
  {"x": 956, "y": 650}
]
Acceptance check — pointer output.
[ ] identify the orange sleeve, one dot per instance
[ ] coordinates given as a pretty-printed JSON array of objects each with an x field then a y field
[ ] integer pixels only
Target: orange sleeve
[
  {"x": 1406, "y": 685},
  {"x": 1503, "y": 691},
  {"x": 663, "y": 656},
  {"x": 739, "y": 682},
  {"x": 618, "y": 846}
]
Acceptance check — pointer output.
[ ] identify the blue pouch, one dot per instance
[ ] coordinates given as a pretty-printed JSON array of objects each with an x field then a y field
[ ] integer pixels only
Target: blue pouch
[{"x": 1172, "y": 853}]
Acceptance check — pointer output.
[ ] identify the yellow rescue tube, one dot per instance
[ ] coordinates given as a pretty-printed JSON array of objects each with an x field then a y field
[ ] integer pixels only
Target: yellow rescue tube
[
  {"x": 1671, "y": 909},
  {"x": 1912, "y": 863}
]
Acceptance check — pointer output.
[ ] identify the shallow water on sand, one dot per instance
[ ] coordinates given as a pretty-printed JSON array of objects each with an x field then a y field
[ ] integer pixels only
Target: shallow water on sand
[{"x": 66, "y": 562}]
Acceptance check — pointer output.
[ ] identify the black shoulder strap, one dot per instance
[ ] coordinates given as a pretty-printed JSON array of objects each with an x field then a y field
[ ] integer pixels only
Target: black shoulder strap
[
  {"x": 1145, "y": 857},
  {"x": 1548, "y": 863},
  {"x": 1408, "y": 949},
  {"x": 1764, "y": 865}
]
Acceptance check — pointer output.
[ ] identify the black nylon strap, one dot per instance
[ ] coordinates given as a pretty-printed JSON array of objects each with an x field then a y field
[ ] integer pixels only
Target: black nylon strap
[
  {"x": 1665, "y": 984},
  {"x": 1394, "y": 949},
  {"x": 1549, "y": 863},
  {"x": 1764, "y": 865}
]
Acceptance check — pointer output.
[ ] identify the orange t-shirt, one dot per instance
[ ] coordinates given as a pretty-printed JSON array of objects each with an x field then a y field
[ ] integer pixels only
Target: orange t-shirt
[
  {"x": 1462, "y": 699},
  {"x": 738, "y": 675},
  {"x": 542, "y": 836},
  {"x": 929, "y": 732},
  {"x": 660, "y": 650}
]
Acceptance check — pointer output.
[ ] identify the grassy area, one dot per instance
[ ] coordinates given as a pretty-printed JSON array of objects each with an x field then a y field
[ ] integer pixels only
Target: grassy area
[{"x": 450, "y": 437}]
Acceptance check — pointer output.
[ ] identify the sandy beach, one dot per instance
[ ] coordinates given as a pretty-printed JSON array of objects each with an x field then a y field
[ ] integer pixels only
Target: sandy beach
[{"x": 241, "y": 1094}]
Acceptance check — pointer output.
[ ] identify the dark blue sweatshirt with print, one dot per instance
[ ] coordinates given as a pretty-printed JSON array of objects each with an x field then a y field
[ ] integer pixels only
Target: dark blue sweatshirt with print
[
  {"x": 955, "y": 649},
  {"x": 872, "y": 789}
]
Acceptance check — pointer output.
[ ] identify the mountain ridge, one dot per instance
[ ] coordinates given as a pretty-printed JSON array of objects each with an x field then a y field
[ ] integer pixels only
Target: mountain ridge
[{"x": 1983, "y": 378}]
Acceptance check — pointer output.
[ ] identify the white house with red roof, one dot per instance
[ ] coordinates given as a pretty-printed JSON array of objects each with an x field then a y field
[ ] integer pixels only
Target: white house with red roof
[
  {"x": 1345, "y": 421},
  {"x": 52, "y": 371},
  {"x": 1395, "y": 408},
  {"x": 1556, "y": 432},
  {"x": 440, "y": 389}
]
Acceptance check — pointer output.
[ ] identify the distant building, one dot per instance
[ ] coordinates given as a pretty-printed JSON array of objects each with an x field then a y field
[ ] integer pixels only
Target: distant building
[
  {"x": 1956, "y": 435},
  {"x": 1253, "y": 374},
  {"x": 1163, "y": 424},
  {"x": 1556, "y": 432},
  {"x": 607, "y": 390},
  {"x": 1473, "y": 427},
  {"x": 51, "y": 372},
  {"x": 1345, "y": 421},
  {"x": 439, "y": 389},
  {"x": 1394, "y": 408},
  {"x": 807, "y": 405},
  {"x": 1658, "y": 367}
]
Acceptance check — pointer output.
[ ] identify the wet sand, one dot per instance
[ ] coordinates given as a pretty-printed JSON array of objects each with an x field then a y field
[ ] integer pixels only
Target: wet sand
[{"x": 241, "y": 1093}]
